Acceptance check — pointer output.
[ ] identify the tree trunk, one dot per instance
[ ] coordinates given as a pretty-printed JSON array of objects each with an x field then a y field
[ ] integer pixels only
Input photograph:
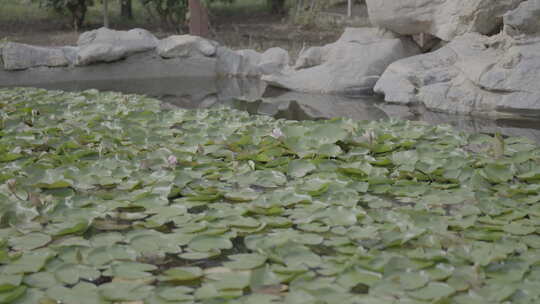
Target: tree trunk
[
  {"x": 78, "y": 13},
  {"x": 349, "y": 8},
  {"x": 106, "y": 13},
  {"x": 277, "y": 6},
  {"x": 126, "y": 9},
  {"x": 199, "y": 23}
]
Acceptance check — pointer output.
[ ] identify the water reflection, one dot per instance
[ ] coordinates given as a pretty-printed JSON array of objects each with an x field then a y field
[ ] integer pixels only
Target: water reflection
[{"x": 253, "y": 96}]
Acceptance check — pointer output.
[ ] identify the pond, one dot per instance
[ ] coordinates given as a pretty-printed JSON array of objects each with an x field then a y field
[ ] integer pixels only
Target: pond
[{"x": 255, "y": 97}]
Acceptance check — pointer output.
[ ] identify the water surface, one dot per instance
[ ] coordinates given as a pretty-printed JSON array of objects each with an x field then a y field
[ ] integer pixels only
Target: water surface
[{"x": 253, "y": 96}]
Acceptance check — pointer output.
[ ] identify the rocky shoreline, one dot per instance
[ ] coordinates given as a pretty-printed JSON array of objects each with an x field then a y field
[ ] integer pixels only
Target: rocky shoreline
[{"x": 484, "y": 60}]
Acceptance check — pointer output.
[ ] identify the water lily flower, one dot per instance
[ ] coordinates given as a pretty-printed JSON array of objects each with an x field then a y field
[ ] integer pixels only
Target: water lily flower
[
  {"x": 172, "y": 160},
  {"x": 369, "y": 136},
  {"x": 276, "y": 133}
]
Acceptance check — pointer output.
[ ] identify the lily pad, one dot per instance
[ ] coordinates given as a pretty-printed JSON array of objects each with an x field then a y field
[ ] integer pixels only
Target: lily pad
[{"x": 180, "y": 274}]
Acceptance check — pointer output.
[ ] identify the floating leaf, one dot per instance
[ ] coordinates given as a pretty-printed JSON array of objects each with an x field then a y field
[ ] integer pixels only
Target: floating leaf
[
  {"x": 10, "y": 282},
  {"x": 432, "y": 291},
  {"x": 29, "y": 241},
  {"x": 11, "y": 295},
  {"x": 124, "y": 291},
  {"x": 209, "y": 242},
  {"x": 70, "y": 274},
  {"x": 299, "y": 168},
  {"x": 181, "y": 274},
  {"x": 29, "y": 262},
  {"x": 179, "y": 293},
  {"x": 245, "y": 261}
]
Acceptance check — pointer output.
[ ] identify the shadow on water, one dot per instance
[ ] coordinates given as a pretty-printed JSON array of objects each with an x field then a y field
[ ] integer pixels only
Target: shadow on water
[{"x": 253, "y": 96}]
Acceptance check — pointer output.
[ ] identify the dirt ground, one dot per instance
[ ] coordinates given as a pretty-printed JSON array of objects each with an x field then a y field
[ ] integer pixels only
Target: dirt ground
[{"x": 256, "y": 31}]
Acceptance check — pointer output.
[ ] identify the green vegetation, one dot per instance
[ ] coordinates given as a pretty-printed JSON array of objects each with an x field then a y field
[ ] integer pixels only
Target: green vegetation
[
  {"x": 169, "y": 13},
  {"x": 77, "y": 9},
  {"x": 106, "y": 198},
  {"x": 34, "y": 11}
]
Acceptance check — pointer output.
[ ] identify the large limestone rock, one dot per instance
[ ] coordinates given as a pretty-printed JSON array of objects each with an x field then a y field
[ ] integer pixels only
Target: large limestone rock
[
  {"x": 18, "y": 56},
  {"x": 525, "y": 20},
  {"x": 105, "y": 45},
  {"x": 311, "y": 57},
  {"x": 250, "y": 63},
  {"x": 273, "y": 61},
  {"x": 242, "y": 63},
  {"x": 185, "y": 46},
  {"x": 349, "y": 66},
  {"x": 474, "y": 74},
  {"x": 445, "y": 19}
]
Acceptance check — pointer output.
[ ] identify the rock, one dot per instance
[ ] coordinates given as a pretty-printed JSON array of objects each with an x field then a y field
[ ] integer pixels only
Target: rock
[
  {"x": 311, "y": 57},
  {"x": 105, "y": 45},
  {"x": 18, "y": 56},
  {"x": 1, "y": 49},
  {"x": 426, "y": 42},
  {"x": 185, "y": 46},
  {"x": 349, "y": 66},
  {"x": 242, "y": 63},
  {"x": 70, "y": 52},
  {"x": 250, "y": 60},
  {"x": 273, "y": 61},
  {"x": 524, "y": 20},
  {"x": 473, "y": 74},
  {"x": 442, "y": 18},
  {"x": 250, "y": 63}
]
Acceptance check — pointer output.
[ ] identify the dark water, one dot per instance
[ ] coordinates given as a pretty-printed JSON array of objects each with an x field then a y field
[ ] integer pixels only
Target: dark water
[{"x": 254, "y": 97}]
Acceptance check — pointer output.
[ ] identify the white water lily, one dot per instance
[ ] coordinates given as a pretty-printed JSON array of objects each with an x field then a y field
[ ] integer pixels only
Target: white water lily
[{"x": 276, "y": 133}]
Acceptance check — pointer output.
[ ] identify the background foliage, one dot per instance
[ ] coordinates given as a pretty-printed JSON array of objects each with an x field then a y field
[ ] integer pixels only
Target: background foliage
[{"x": 170, "y": 13}]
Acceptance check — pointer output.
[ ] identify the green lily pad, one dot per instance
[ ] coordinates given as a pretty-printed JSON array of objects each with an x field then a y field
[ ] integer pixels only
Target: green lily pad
[
  {"x": 245, "y": 261},
  {"x": 206, "y": 243},
  {"x": 71, "y": 274},
  {"x": 10, "y": 282},
  {"x": 181, "y": 274},
  {"x": 11, "y": 295},
  {"x": 29, "y": 241},
  {"x": 300, "y": 168},
  {"x": 124, "y": 291},
  {"x": 433, "y": 291}
]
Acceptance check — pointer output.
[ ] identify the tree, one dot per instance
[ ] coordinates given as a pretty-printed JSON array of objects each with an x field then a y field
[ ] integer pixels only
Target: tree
[
  {"x": 106, "y": 13},
  {"x": 276, "y": 6},
  {"x": 171, "y": 13},
  {"x": 126, "y": 9},
  {"x": 76, "y": 8}
]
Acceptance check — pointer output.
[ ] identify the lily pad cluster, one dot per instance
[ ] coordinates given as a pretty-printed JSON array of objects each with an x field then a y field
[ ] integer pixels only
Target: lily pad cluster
[{"x": 107, "y": 198}]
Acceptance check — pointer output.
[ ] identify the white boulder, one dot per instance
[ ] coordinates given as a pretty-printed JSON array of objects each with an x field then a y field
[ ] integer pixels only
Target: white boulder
[
  {"x": 18, "y": 56},
  {"x": 445, "y": 19},
  {"x": 524, "y": 20},
  {"x": 185, "y": 46},
  {"x": 273, "y": 61},
  {"x": 473, "y": 74},
  {"x": 350, "y": 66},
  {"x": 106, "y": 45},
  {"x": 250, "y": 63}
]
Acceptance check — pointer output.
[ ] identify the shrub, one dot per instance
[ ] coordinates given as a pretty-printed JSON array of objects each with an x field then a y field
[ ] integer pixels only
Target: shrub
[{"x": 76, "y": 8}]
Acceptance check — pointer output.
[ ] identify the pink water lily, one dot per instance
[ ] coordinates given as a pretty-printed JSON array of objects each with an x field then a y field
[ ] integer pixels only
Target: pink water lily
[{"x": 172, "y": 160}]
